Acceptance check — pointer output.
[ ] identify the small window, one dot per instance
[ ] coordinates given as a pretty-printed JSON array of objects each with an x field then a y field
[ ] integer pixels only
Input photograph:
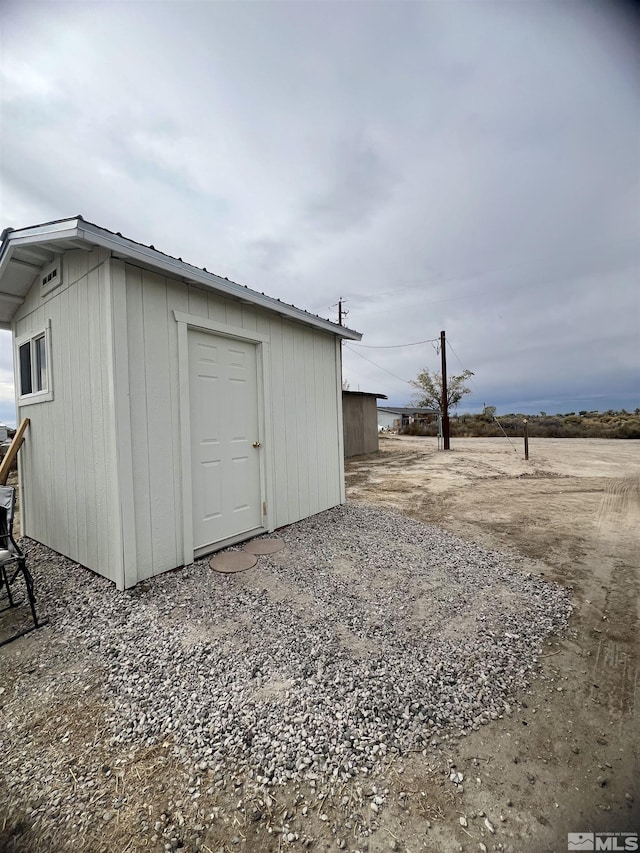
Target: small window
[
  {"x": 26, "y": 385},
  {"x": 33, "y": 369}
]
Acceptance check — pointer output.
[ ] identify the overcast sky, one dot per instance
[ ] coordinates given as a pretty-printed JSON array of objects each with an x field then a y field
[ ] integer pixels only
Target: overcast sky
[{"x": 466, "y": 166}]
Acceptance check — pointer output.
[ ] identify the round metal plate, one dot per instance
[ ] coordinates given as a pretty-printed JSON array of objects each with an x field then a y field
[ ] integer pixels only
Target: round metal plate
[
  {"x": 232, "y": 561},
  {"x": 264, "y": 546}
]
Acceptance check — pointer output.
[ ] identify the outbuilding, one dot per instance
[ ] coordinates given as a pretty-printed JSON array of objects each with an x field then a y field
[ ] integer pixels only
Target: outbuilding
[
  {"x": 360, "y": 420},
  {"x": 401, "y": 418},
  {"x": 172, "y": 412}
]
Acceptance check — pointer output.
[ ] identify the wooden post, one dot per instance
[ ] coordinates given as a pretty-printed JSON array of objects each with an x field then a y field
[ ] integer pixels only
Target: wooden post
[
  {"x": 526, "y": 439},
  {"x": 445, "y": 402},
  {"x": 12, "y": 452}
]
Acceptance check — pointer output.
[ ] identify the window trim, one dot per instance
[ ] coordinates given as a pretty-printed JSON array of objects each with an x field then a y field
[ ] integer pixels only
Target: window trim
[{"x": 30, "y": 338}]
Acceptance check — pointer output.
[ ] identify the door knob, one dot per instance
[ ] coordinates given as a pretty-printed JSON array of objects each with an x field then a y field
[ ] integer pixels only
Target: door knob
[{"x": 256, "y": 444}]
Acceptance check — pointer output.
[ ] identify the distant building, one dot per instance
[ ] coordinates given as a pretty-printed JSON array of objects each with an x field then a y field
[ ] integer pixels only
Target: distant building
[{"x": 399, "y": 418}]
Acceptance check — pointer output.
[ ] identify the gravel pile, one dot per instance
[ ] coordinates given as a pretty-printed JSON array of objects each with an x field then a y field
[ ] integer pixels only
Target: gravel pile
[{"x": 371, "y": 634}]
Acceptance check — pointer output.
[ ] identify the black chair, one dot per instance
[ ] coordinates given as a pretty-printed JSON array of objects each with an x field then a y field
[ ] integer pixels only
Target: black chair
[{"x": 13, "y": 564}]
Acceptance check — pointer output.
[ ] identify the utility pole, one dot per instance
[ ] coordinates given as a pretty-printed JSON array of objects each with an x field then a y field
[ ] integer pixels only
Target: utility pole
[
  {"x": 342, "y": 311},
  {"x": 445, "y": 404}
]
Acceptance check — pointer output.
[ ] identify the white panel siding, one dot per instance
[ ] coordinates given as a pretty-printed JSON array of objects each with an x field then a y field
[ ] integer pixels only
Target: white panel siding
[
  {"x": 139, "y": 420},
  {"x": 102, "y": 465},
  {"x": 303, "y": 399},
  {"x": 304, "y": 402},
  {"x": 155, "y": 427},
  {"x": 159, "y": 350},
  {"x": 76, "y": 265},
  {"x": 288, "y": 500},
  {"x": 178, "y": 299},
  {"x": 281, "y": 426},
  {"x": 122, "y": 406},
  {"x": 301, "y": 445},
  {"x": 68, "y": 471}
]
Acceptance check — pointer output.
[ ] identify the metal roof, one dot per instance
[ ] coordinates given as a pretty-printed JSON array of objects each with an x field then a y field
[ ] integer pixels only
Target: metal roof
[
  {"x": 365, "y": 394},
  {"x": 25, "y": 251},
  {"x": 408, "y": 411}
]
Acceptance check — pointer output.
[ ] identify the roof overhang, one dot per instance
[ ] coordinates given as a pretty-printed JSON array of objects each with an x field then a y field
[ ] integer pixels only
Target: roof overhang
[
  {"x": 364, "y": 394},
  {"x": 24, "y": 252},
  {"x": 408, "y": 411}
]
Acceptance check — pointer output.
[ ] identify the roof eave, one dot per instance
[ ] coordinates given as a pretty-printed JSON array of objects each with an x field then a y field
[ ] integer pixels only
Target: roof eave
[
  {"x": 193, "y": 275},
  {"x": 64, "y": 230},
  {"x": 365, "y": 394}
]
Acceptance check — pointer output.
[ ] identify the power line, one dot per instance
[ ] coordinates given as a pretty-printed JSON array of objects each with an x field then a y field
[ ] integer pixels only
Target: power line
[
  {"x": 456, "y": 355},
  {"x": 396, "y": 346},
  {"x": 395, "y": 376}
]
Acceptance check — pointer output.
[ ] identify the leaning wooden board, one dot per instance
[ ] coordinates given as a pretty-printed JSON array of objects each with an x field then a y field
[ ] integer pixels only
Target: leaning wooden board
[{"x": 12, "y": 452}]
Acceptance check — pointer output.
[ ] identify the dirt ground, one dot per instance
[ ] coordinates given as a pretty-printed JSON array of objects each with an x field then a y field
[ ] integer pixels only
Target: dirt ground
[
  {"x": 567, "y": 760},
  {"x": 563, "y": 758}
]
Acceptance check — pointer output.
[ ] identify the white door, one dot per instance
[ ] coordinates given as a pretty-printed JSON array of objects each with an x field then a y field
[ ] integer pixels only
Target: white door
[{"x": 227, "y": 497}]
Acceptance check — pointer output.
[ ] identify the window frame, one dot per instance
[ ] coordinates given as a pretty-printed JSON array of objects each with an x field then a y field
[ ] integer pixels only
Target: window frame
[{"x": 31, "y": 338}]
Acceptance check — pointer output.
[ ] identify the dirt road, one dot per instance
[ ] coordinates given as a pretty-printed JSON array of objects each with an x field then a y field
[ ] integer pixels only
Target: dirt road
[{"x": 567, "y": 758}]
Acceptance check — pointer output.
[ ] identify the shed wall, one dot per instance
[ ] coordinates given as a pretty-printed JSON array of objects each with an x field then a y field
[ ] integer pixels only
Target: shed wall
[
  {"x": 303, "y": 403},
  {"x": 360, "y": 418},
  {"x": 67, "y": 463}
]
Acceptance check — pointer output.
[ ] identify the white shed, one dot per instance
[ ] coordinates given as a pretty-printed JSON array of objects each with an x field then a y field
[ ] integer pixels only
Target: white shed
[{"x": 173, "y": 412}]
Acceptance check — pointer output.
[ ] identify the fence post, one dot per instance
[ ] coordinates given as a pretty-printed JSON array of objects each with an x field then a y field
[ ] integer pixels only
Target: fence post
[{"x": 526, "y": 439}]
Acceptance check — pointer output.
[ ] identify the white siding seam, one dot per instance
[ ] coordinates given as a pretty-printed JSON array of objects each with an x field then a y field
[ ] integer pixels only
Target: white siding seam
[
  {"x": 176, "y": 295},
  {"x": 339, "y": 419},
  {"x": 124, "y": 456},
  {"x": 269, "y": 521},
  {"x": 146, "y": 399},
  {"x": 185, "y": 443},
  {"x": 146, "y": 366},
  {"x": 116, "y": 536},
  {"x": 138, "y": 435}
]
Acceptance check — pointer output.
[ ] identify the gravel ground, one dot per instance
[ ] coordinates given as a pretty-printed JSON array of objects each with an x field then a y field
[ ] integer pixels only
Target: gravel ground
[{"x": 370, "y": 636}]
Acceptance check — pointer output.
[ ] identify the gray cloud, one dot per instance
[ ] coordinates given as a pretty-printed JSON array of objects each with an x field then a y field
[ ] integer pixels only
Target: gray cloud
[
  {"x": 468, "y": 167},
  {"x": 359, "y": 183},
  {"x": 270, "y": 254}
]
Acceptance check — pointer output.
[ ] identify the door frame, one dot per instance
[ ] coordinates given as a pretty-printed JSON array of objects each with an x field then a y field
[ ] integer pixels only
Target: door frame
[{"x": 265, "y": 427}]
